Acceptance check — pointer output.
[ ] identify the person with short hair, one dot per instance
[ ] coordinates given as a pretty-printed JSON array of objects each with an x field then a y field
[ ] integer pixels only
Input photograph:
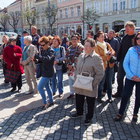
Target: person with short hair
[
  {"x": 12, "y": 55},
  {"x": 29, "y": 52},
  {"x": 88, "y": 62},
  {"x": 5, "y": 41},
  {"x": 126, "y": 43},
  {"x": 57, "y": 80},
  {"x": 35, "y": 36},
  {"x": 71, "y": 58},
  {"x": 131, "y": 65},
  {"x": 25, "y": 33},
  {"x": 46, "y": 58},
  {"x": 106, "y": 52}
]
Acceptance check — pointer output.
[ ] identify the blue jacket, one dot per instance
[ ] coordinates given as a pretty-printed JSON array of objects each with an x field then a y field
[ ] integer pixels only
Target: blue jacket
[{"x": 131, "y": 63}]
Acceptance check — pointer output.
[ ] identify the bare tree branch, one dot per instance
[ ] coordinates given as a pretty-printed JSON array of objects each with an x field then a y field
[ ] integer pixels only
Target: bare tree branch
[
  {"x": 14, "y": 18},
  {"x": 30, "y": 17},
  {"x": 4, "y": 20},
  {"x": 51, "y": 13}
]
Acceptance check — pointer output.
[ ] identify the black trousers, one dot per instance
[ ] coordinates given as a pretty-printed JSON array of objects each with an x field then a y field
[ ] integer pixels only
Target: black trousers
[
  {"x": 120, "y": 78},
  {"x": 80, "y": 99},
  {"x": 18, "y": 83}
]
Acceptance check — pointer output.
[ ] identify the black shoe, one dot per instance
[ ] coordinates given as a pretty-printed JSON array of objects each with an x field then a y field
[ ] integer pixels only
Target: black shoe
[
  {"x": 6, "y": 82},
  {"x": 118, "y": 118},
  {"x": 76, "y": 115},
  {"x": 19, "y": 90},
  {"x": 99, "y": 100},
  {"x": 88, "y": 121},
  {"x": 135, "y": 118},
  {"x": 109, "y": 100},
  {"x": 60, "y": 95},
  {"x": 71, "y": 96},
  {"x": 51, "y": 104},
  {"x": 116, "y": 95},
  {"x": 13, "y": 89}
]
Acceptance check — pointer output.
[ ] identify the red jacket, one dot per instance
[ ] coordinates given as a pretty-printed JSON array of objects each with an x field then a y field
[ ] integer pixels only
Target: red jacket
[{"x": 10, "y": 58}]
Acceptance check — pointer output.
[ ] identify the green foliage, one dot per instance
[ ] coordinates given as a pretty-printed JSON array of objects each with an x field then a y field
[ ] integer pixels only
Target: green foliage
[{"x": 89, "y": 17}]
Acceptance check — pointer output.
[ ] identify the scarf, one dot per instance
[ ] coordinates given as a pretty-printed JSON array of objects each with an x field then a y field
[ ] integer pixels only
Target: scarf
[
  {"x": 138, "y": 50},
  {"x": 25, "y": 55},
  {"x": 103, "y": 46}
]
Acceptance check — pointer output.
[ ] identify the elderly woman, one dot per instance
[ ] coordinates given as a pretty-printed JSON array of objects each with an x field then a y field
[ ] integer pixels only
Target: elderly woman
[
  {"x": 29, "y": 52},
  {"x": 131, "y": 66},
  {"x": 5, "y": 41},
  {"x": 88, "y": 62},
  {"x": 46, "y": 59},
  {"x": 12, "y": 55},
  {"x": 73, "y": 51},
  {"x": 59, "y": 58},
  {"x": 106, "y": 52}
]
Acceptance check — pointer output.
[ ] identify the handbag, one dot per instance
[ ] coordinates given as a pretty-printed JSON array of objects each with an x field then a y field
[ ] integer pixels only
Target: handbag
[
  {"x": 11, "y": 75},
  {"x": 84, "y": 82},
  {"x": 113, "y": 59},
  {"x": 38, "y": 70},
  {"x": 64, "y": 67},
  {"x": 64, "y": 64}
]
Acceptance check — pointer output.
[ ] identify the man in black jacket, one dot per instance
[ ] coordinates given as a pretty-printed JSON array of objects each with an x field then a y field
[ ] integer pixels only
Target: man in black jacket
[{"x": 126, "y": 43}]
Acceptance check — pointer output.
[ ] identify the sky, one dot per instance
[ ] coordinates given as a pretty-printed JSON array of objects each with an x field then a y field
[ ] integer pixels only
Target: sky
[{"x": 5, "y": 3}]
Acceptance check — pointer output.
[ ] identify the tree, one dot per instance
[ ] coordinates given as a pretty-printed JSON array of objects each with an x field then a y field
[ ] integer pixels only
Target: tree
[
  {"x": 4, "y": 20},
  {"x": 30, "y": 17},
  {"x": 89, "y": 17},
  {"x": 51, "y": 13},
  {"x": 13, "y": 19}
]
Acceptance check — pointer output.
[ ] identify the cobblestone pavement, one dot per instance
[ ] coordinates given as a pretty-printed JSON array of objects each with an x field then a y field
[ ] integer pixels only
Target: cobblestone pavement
[{"x": 55, "y": 122}]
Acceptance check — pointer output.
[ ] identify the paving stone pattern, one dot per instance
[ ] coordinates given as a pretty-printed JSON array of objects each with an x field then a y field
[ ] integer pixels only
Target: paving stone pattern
[{"x": 55, "y": 122}]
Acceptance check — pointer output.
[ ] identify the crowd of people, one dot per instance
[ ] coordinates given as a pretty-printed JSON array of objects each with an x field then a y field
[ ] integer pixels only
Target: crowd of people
[{"x": 99, "y": 56}]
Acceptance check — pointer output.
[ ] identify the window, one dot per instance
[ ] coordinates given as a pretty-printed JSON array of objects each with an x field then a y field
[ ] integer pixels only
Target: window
[
  {"x": 72, "y": 11},
  {"x": 106, "y": 5},
  {"x": 133, "y": 3},
  {"x": 97, "y": 6},
  {"x": 78, "y": 11},
  {"x": 122, "y": 5},
  {"x": 61, "y": 15},
  {"x": 115, "y": 5},
  {"x": 66, "y": 12}
]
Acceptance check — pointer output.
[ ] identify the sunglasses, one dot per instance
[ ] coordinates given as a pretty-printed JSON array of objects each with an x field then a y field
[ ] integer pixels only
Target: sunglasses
[
  {"x": 138, "y": 38},
  {"x": 42, "y": 45}
]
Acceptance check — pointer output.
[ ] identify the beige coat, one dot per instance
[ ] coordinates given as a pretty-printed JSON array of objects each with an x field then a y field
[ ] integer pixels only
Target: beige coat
[
  {"x": 32, "y": 50},
  {"x": 92, "y": 64},
  {"x": 105, "y": 58}
]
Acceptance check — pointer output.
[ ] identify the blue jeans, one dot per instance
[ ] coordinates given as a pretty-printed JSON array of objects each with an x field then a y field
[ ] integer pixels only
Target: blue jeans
[
  {"x": 108, "y": 79},
  {"x": 45, "y": 82},
  {"x": 127, "y": 92},
  {"x": 57, "y": 83},
  {"x": 71, "y": 82}
]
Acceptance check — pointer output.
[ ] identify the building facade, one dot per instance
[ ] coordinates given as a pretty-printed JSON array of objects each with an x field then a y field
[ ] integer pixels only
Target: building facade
[
  {"x": 114, "y": 13},
  {"x": 69, "y": 16},
  {"x": 41, "y": 20},
  {"x": 16, "y": 7}
]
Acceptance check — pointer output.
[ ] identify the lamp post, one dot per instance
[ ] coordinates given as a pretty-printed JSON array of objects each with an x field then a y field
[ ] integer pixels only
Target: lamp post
[{"x": 83, "y": 19}]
